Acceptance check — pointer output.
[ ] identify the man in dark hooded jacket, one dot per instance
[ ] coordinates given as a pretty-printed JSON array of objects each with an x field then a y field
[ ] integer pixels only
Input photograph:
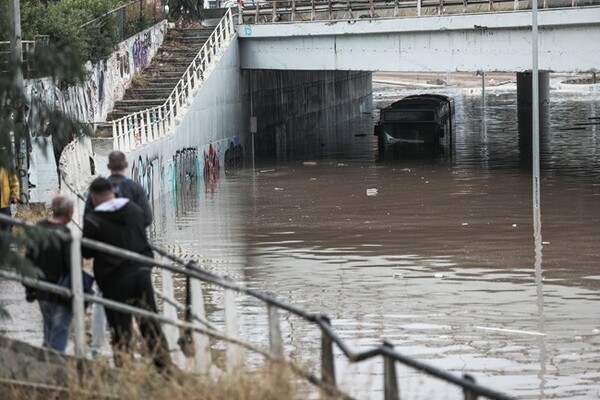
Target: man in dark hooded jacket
[{"x": 120, "y": 222}]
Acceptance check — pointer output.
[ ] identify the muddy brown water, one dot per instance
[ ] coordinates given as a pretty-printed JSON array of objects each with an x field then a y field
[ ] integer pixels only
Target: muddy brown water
[{"x": 440, "y": 261}]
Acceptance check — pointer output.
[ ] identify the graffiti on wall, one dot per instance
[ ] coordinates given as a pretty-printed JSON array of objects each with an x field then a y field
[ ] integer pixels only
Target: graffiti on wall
[
  {"x": 141, "y": 50},
  {"x": 123, "y": 63},
  {"x": 233, "y": 157},
  {"x": 142, "y": 172},
  {"x": 211, "y": 167}
]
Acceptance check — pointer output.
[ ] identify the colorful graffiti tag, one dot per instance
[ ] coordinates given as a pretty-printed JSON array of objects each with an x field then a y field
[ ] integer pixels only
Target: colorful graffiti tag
[
  {"x": 142, "y": 172},
  {"x": 141, "y": 50}
]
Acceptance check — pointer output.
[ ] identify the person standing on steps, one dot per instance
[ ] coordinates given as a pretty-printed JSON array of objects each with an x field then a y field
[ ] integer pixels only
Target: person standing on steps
[
  {"x": 120, "y": 222},
  {"x": 124, "y": 187}
]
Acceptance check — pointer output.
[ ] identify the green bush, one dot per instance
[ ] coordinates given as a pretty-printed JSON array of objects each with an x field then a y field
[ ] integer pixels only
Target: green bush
[{"x": 62, "y": 21}]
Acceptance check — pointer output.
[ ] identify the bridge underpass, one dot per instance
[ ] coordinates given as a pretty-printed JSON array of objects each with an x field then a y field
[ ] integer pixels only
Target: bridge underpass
[{"x": 482, "y": 42}]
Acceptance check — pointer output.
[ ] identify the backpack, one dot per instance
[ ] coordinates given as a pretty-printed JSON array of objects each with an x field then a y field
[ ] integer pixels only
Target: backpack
[{"x": 118, "y": 188}]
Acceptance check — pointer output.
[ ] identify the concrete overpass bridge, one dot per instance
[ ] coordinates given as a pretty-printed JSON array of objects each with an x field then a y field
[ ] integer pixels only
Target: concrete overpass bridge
[
  {"x": 473, "y": 40},
  {"x": 286, "y": 66}
]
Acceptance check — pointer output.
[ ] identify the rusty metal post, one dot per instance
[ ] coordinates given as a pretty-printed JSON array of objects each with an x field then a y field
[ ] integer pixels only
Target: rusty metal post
[
  {"x": 275, "y": 340},
  {"x": 390, "y": 379},
  {"x": 469, "y": 395},
  {"x": 327, "y": 360}
]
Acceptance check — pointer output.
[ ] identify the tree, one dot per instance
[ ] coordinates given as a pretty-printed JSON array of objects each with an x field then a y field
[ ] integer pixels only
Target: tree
[
  {"x": 67, "y": 24},
  {"x": 58, "y": 64}
]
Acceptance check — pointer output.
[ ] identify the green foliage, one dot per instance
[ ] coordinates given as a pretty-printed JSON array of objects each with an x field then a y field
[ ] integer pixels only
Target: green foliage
[
  {"x": 62, "y": 21},
  {"x": 187, "y": 9},
  {"x": 61, "y": 64}
]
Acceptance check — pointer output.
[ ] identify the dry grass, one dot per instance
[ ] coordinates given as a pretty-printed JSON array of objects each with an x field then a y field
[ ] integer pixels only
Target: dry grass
[
  {"x": 138, "y": 81},
  {"x": 32, "y": 212},
  {"x": 139, "y": 380}
]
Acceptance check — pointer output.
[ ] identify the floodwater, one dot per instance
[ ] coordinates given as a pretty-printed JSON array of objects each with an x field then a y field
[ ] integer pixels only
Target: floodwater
[{"x": 440, "y": 261}]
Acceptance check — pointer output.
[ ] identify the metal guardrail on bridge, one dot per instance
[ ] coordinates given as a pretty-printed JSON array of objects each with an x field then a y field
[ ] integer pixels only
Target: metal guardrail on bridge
[
  {"x": 270, "y": 11},
  {"x": 275, "y": 352}
]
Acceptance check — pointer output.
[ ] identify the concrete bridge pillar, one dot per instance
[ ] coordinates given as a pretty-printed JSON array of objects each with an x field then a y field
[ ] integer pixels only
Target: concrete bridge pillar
[{"x": 524, "y": 110}]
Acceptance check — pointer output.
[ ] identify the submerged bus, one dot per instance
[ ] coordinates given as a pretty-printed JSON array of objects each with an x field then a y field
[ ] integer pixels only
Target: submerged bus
[{"x": 421, "y": 122}]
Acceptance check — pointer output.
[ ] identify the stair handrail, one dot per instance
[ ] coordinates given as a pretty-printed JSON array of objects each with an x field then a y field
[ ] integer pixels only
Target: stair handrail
[{"x": 145, "y": 126}]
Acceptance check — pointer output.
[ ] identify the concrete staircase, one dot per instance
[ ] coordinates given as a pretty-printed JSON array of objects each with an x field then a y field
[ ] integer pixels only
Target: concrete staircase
[{"x": 156, "y": 82}]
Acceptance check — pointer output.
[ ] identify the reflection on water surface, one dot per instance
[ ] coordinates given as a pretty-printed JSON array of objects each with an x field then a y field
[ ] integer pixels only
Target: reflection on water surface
[{"x": 440, "y": 261}]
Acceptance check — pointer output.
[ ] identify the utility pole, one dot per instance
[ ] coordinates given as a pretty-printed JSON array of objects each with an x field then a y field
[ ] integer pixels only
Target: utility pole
[{"x": 16, "y": 61}]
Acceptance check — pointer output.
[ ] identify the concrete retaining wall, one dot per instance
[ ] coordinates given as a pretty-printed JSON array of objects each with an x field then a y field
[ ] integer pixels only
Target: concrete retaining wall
[{"x": 89, "y": 103}]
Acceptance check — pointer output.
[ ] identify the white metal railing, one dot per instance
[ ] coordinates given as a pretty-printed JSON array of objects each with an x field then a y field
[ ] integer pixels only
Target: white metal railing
[
  {"x": 269, "y": 11},
  {"x": 148, "y": 125}
]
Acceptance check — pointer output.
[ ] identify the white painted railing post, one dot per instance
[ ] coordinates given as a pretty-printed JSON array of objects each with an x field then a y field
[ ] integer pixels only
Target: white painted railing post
[
  {"x": 131, "y": 133},
  {"x": 195, "y": 74},
  {"x": 143, "y": 130},
  {"x": 189, "y": 83},
  {"x": 176, "y": 111},
  {"x": 169, "y": 311},
  {"x": 77, "y": 291},
  {"x": 275, "y": 340},
  {"x": 293, "y": 10},
  {"x": 202, "y": 357},
  {"x": 163, "y": 121},
  {"x": 419, "y": 7},
  {"x": 115, "y": 135},
  {"x": 395, "y": 8},
  {"x": 122, "y": 125},
  {"x": 233, "y": 352},
  {"x": 149, "y": 126},
  {"x": 170, "y": 114},
  {"x": 134, "y": 130}
]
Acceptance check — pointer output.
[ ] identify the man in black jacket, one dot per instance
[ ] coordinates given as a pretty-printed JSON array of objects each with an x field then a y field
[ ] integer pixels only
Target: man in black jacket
[
  {"x": 120, "y": 222},
  {"x": 54, "y": 261},
  {"x": 124, "y": 187}
]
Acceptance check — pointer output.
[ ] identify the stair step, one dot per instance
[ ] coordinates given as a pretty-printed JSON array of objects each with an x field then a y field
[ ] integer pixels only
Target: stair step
[
  {"x": 166, "y": 75},
  {"x": 168, "y": 66},
  {"x": 140, "y": 102},
  {"x": 158, "y": 82},
  {"x": 142, "y": 92}
]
